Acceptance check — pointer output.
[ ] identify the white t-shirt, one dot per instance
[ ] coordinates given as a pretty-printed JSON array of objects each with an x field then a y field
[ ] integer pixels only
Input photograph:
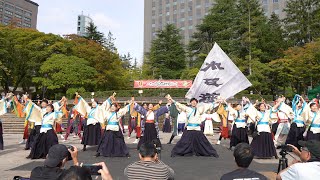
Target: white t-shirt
[{"x": 303, "y": 171}]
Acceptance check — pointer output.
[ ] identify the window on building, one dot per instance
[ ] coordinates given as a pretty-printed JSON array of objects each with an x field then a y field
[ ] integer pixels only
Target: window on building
[
  {"x": 265, "y": 2},
  {"x": 275, "y": 1},
  {"x": 276, "y": 11},
  {"x": 153, "y": 13},
  {"x": 168, "y": 13},
  {"x": 9, "y": 6},
  {"x": 79, "y": 23},
  {"x": 1, "y": 9},
  {"x": 182, "y": 19},
  {"x": 167, "y": 9},
  {"x": 153, "y": 4},
  {"x": 7, "y": 18},
  {"x": 28, "y": 14},
  {"x": 19, "y": 10},
  {"x": 182, "y": 6},
  {"x": 1, "y": 3},
  {"x": 26, "y": 25},
  {"x": 8, "y": 12},
  {"x": 27, "y": 19},
  {"x": 190, "y": 27},
  {"x": 18, "y": 16},
  {"x": 78, "y": 28}
]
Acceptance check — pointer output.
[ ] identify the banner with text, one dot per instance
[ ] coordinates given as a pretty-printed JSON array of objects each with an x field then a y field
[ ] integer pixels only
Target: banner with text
[{"x": 162, "y": 84}]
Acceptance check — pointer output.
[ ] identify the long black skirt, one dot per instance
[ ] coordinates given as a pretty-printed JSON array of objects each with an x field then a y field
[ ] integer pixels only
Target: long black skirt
[
  {"x": 1, "y": 136},
  {"x": 312, "y": 136},
  {"x": 150, "y": 135},
  {"x": 239, "y": 135},
  {"x": 33, "y": 134},
  {"x": 91, "y": 135},
  {"x": 42, "y": 144},
  {"x": 295, "y": 135},
  {"x": 262, "y": 146},
  {"x": 166, "y": 126},
  {"x": 193, "y": 143},
  {"x": 112, "y": 144}
]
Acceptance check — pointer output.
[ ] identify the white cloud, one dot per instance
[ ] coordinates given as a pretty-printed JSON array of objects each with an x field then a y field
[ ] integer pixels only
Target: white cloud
[{"x": 103, "y": 21}]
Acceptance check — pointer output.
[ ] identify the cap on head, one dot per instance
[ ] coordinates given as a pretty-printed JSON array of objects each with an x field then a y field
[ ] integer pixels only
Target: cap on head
[
  {"x": 56, "y": 154},
  {"x": 313, "y": 147}
]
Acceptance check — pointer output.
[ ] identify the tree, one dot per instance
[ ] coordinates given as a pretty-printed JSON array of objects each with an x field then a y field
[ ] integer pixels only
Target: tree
[
  {"x": 22, "y": 51},
  {"x": 61, "y": 72},
  {"x": 219, "y": 26},
  {"x": 110, "y": 73},
  {"x": 110, "y": 42},
  {"x": 167, "y": 54},
  {"x": 272, "y": 41},
  {"x": 126, "y": 61},
  {"x": 94, "y": 34},
  {"x": 302, "y": 21}
]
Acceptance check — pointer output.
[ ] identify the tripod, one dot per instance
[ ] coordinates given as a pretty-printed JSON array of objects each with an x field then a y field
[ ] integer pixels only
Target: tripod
[{"x": 283, "y": 161}]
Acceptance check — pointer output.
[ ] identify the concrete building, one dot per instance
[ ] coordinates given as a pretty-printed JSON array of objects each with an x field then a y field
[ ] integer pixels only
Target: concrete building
[
  {"x": 186, "y": 14},
  {"x": 22, "y": 13},
  {"x": 83, "y": 23}
]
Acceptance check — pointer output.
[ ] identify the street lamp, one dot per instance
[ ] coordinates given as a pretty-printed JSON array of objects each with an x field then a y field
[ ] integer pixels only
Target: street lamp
[{"x": 92, "y": 94}]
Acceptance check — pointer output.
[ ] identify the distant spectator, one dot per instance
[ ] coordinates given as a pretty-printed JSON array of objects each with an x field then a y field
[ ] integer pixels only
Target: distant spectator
[
  {"x": 318, "y": 96},
  {"x": 243, "y": 157},
  {"x": 53, "y": 166},
  {"x": 149, "y": 166},
  {"x": 309, "y": 165}
]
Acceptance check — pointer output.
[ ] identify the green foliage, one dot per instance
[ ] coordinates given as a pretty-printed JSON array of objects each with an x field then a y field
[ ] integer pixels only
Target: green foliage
[
  {"x": 167, "y": 55},
  {"x": 63, "y": 72},
  {"x": 302, "y": 21},
  {"x": 94, "y": 34},
  {"x": 72, "y": 91}
]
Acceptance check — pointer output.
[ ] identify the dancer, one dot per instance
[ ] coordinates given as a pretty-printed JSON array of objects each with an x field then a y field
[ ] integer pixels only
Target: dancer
[
  {"x": 47, "y": 136},
  {"x": 262, "y": 144},
  {"x": 283, "y": 113},
  {"x": 208, "y": 118},
  {"x": 297, "y": 127},
  {"x": 243, "y": 114},
  {"x": 226, "y": 121},
  {"x": 74, "y": 124},
  {"x": 181, "y": 119},
  {"x": 150, "y": 129},
  {"x": 35, "y": 131},
  {"x": 312, "y": 131},
  {"x": 137, "y": 117},
  {"x": 95, "y": 113},
  {"x": 166, "y": 126},
  {"x": 174, "y": 114},
  {"x": 3, "y": 110},
  {"x": 193, "y": 141},
  {"x": 112, "y": 143}
]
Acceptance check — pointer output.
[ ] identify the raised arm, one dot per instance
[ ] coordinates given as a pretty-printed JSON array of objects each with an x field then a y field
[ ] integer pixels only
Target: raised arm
[
  {"x": 124, "y": 110},
  {"x": 162, "y": 110},
  {"x": 82, "y": 106},
  {"x": 140, "y": 109}
]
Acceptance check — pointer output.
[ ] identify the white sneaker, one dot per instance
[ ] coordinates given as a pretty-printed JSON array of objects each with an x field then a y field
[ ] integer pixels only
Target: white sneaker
[
  {"x": 22, "y": 142},
  {"x": 218, "y": 142},
  {"x": 180, "y": 135},
  {"x": 128, "y": 137},
  {"x": 136, "y": 141},
  {"x": 62, "y": 136}
]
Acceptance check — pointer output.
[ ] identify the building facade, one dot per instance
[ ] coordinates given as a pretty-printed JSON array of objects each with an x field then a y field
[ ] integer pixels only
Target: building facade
[
  {"x": 83, "y": 23},
  {"x": 21, "y": 13},
  {"x": 186, "y": 14}
]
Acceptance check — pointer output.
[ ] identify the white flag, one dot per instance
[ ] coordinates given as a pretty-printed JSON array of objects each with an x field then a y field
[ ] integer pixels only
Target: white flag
[{"x": 218, "y": 76}]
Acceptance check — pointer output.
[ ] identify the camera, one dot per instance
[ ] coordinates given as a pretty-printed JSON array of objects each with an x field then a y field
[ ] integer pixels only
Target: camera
[
  {"x": 71, "y": 149},
  {"x": 93, "y": 168},
  {"x": 286, "y": 148}
]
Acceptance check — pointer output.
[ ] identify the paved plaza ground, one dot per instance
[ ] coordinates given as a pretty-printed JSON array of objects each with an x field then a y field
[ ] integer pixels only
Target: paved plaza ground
[{"x": 13, "y": 161}]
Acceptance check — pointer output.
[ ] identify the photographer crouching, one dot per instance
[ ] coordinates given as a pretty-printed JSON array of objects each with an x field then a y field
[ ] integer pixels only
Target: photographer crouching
[{"x": 309, "y": 165}]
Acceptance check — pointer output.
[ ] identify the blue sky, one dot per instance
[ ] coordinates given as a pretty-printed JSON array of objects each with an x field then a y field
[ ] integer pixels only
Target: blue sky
[{"x": 124, "y": 18}]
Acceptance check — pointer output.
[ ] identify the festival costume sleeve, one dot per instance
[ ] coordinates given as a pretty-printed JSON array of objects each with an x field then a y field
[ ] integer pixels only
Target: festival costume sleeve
[
  {"x": 3, "y": 107},
  {"x": 215, "y": 117},
  {"x": 33, "y": 112},
  {"x": 182, "y": 107},
  {"x": 107, "y": 104},
  {"x": 124, "y": 110},
  {"x": 224, "y": 114},
  {"x": 156, "y": 107},
  {"x": 251, "y": 112},
  {"x": 18, "y": 107},
  {"x": 162, "y": 110},
  {"x": 82, "y": 106},
  {"x": 205, "y": 107},
  {"x": 140, "y": 109}
]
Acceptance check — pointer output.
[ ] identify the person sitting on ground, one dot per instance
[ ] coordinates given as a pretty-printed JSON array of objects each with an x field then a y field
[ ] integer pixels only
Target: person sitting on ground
[
  {"x": 243, "y": 156},
  {"x": 149, "y": 166},
  {"x": 309, "y": 165},
  {"x": 56, "y": 159}
]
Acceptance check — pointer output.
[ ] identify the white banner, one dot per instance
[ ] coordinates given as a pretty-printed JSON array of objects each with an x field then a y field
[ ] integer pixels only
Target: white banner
[{"x": 218, "y": 76}]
